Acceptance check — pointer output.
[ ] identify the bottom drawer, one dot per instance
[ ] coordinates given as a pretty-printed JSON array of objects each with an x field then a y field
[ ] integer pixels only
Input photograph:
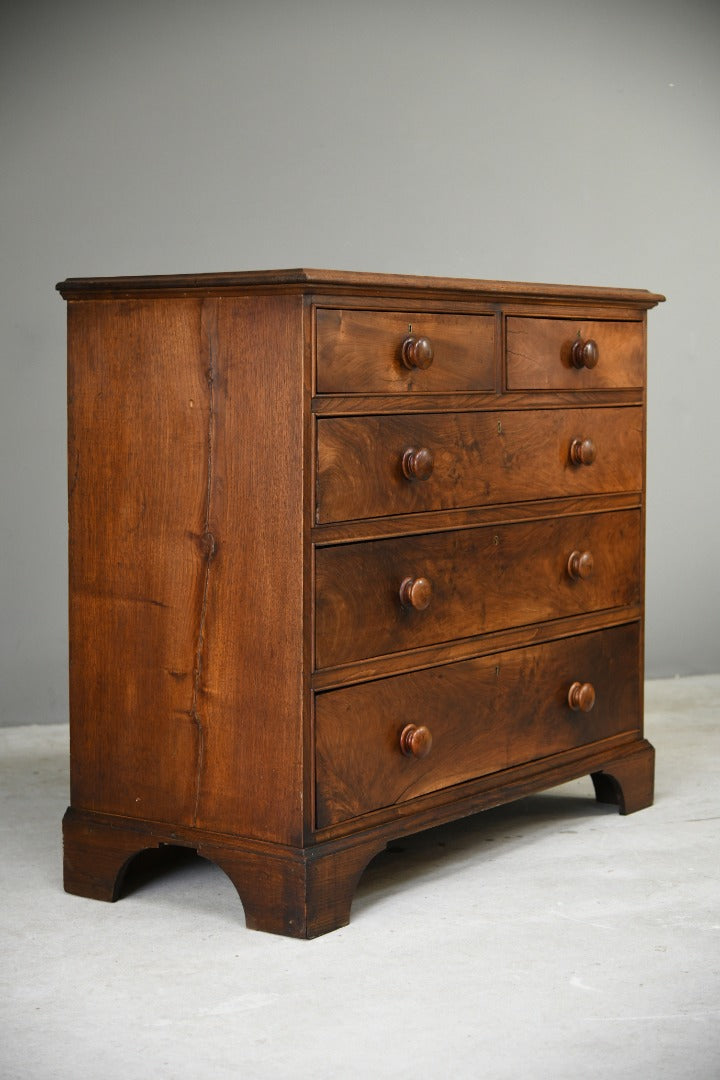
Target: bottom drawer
[{"x": 481, "y": 716}]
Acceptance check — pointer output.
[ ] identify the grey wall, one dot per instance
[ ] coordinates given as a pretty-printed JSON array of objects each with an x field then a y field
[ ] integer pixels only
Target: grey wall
[{"x": 566, "y": 141}]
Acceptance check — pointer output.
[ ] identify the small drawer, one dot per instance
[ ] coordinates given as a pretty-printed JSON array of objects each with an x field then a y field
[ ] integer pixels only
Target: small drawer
[
  {"x": 389, "y": 741},
  {"x": 412, "y": 591},
  {"x": 567, "y": 354},
  {"x": 396, "y": 352},
  {"x": 373, "y": 466}
]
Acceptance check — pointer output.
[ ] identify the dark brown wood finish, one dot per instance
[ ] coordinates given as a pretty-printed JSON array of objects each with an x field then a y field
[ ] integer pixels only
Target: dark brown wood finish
[
  {"x": 478, "y": 458},
  {"x": 302, "y": 626},
  {"x": 381, "y": 352},
  {"x": 447, "y": 652},
  {"x": 165, "y": 458},
  {"x": 377, "y": 404},
  {"x": 475, "y": 581},
  {"x": 501, "y": 513},
  {"x": 358, "y": 284},
  {"x": 139, "y": 553},
  {"x": 565, "y": 354},
  {"x": 483, "y": 716}
]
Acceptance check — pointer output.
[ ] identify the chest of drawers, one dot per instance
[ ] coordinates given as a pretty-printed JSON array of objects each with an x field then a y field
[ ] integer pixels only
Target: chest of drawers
[{"x": 351, "y": 555}]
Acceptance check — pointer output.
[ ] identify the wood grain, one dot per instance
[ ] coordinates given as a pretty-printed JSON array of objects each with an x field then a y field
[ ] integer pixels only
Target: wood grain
[
  {"x": 366, "y": 404},
  {"x": 361, "y": 352},
  {"x": 539, "y": 354},
  {"x": 502, "y": 513},
  {"x": 367, "y": 283},
  {"x": 295, "y": 892},
  {"x": 450, "y": 652},
  {"x": 484, "y": 716},
  {"x": 479, "y": 459},
  {"x": 139, "y": 406},
  {"x": 252, "y": 686},
  {"x": 175, "y": 492},
  {"x": 301, "y": 626},
  {"x": 482, "y": 580}
]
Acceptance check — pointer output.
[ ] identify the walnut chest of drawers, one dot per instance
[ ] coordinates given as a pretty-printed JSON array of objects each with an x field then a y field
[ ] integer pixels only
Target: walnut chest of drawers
[{"x": 351, "y": 555}]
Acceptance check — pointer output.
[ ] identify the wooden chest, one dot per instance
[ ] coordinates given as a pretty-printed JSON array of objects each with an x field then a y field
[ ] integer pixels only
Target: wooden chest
[{"x": 351, "y": 555}]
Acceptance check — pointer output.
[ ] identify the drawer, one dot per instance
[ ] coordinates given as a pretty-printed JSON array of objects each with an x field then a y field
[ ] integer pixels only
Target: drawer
[
  {"x": 568, "y": 354},
  {"x": 404, "y": 593},
  {"x": 373, "y": 466},
  {"x": 386, "y": 352},
  {"x": 482, "y": 716}
]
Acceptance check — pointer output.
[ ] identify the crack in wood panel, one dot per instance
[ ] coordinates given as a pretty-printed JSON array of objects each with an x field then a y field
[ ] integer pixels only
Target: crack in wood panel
[{"x": 208, "y": 543}]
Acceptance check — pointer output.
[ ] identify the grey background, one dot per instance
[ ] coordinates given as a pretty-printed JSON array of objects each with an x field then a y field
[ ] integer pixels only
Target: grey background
[{"x": 564, "y": 141}]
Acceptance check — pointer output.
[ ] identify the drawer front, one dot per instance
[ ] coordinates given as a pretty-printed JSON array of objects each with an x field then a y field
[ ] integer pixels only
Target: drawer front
[
  {"x": 373, "y": 466},
  {"x": 483, "y": 716},
  {"x": 404, "y": 593},
  {"x": 565, "y": 354},
  {"x": 365, "y": 352}
]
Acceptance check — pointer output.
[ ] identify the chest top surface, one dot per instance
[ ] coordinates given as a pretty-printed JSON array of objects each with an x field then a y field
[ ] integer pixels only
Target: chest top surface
[{"x": 342, "y": 280}]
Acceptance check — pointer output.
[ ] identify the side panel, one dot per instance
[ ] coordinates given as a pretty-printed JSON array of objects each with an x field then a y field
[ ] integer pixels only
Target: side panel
[
  {"x": 186, "y": 561},
  {"x": 137, "y": 460}
]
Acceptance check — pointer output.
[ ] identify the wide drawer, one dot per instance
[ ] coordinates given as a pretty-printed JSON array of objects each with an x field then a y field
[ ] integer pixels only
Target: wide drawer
[
  {"x": 373, "y": 466},
  {"x": 482, "y": 716},
  {"x": 567, "y": 354},
  {"x": 385, "y": 352},
  {"x": 404, "y": 593}
]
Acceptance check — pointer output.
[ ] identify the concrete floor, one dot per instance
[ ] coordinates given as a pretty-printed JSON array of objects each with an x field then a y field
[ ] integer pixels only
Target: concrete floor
[{"x": 547, "y": 939}]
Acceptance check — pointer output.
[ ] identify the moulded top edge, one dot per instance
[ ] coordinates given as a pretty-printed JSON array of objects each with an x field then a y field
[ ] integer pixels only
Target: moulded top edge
[{"x": 76, "y": 288}]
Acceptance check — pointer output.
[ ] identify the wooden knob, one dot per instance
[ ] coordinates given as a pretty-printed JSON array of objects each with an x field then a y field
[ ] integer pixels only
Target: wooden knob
[
  {"x": 416, "y": 593},
  {"x": 582, "y": 451},
  {"x": 581, "y": 696},
  {"x": 584, "y": 354},
  {"x": 580, "y": 565},
  {"x": 415, "y": 741},
  {"x": 417, "y": 352},
  {"x": 418, "y": 464}
]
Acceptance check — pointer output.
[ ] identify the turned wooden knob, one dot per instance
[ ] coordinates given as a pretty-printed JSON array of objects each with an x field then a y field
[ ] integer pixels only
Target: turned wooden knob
[
  {"x": 417, "y": 352},
  {"x": 582, "y": 451},
  {"x": 581, "y": 696},
  {"x": 415, "y": 741},
  {"x": 584, "y": 354},
  {"x": 580, "y": 565},
  {"x": 416, "y": 593},
  {"x": 418, "y": 464}
]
